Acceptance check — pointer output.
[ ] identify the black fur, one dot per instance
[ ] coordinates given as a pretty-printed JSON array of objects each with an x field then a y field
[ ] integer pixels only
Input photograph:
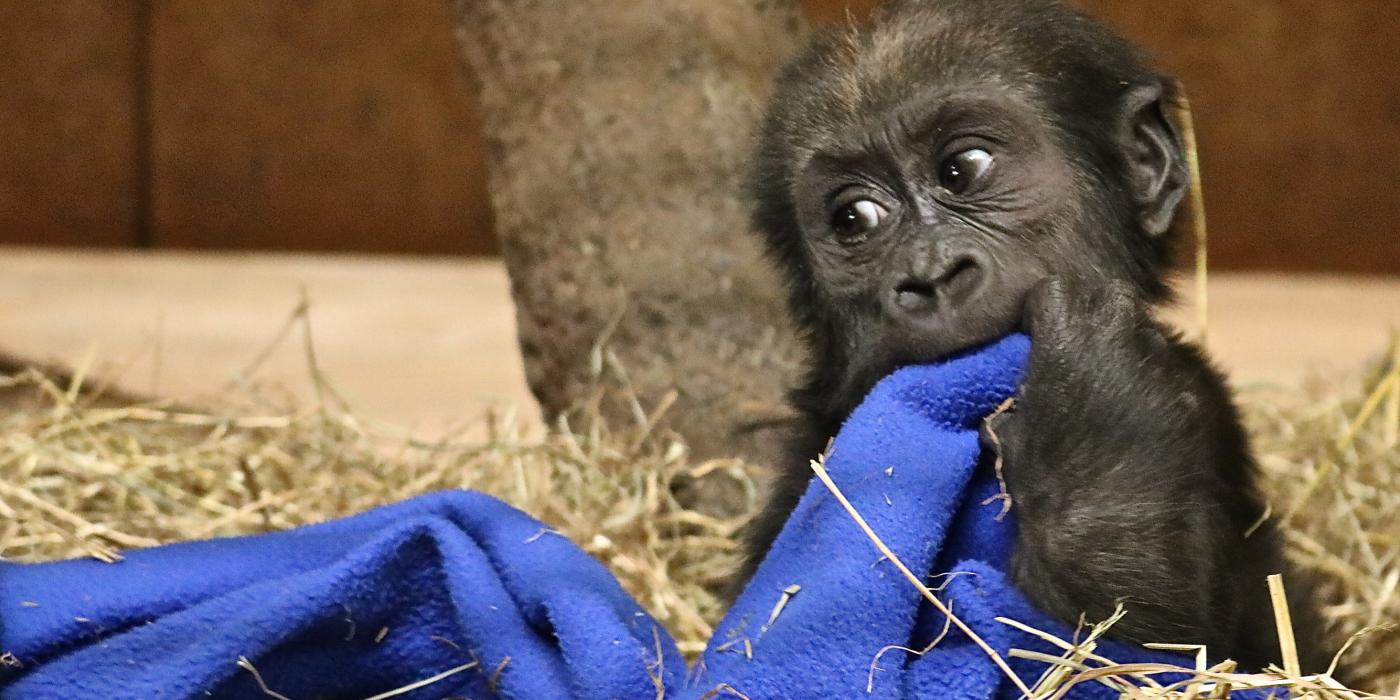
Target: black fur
[{"x": 1125, "y": 458}]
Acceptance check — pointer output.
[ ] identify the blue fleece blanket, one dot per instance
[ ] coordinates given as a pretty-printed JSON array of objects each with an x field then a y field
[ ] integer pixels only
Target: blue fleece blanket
[{"x": 465, "y": 589}]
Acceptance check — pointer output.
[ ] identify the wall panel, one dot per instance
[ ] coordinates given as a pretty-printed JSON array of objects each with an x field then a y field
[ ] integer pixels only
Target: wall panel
[
  {"x": 68, "y": 138},
  {"x": 330, "y": 125},
  {"x": 1297, "y": 105},
  {"x": 314, "y": 125}
]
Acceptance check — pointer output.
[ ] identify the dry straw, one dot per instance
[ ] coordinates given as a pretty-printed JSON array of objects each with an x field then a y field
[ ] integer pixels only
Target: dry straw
[{"x": 85, "y": 476}]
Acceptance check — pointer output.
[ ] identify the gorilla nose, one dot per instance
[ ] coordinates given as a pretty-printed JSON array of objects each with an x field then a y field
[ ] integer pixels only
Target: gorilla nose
[{"x": 940, "y": 285}]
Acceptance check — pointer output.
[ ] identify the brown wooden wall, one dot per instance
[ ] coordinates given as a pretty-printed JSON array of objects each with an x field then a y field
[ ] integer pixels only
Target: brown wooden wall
[
  {"x": 69, "y": 165},
  {"x": 348, "y": 125},
  {"x": 1297, "y": 106},
  {"x": 308, "y": 125}
]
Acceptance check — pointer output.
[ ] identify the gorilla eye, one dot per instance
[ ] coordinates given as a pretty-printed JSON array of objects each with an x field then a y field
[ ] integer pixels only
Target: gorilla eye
[
  {"x": 858, "y": 217},
  {"x": 958, "y": 173}
]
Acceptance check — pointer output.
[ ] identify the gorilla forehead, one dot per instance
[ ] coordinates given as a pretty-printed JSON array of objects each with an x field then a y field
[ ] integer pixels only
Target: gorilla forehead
[{"x": 914, "y": 50}]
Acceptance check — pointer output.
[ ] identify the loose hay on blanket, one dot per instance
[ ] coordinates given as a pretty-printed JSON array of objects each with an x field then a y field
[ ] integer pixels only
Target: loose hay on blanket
[{"x": 80, "y": 478}]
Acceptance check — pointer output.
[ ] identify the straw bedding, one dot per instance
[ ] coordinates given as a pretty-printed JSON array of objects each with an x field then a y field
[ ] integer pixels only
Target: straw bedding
[{"x": 86, "y": 475}]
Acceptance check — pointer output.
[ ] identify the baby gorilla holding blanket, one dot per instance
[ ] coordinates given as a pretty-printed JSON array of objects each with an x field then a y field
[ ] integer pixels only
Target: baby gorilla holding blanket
[{"x": 961, "y": 169}]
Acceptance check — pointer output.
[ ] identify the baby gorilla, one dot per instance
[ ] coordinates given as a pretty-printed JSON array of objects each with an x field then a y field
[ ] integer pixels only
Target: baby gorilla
[{"x": 961, "y": 169}]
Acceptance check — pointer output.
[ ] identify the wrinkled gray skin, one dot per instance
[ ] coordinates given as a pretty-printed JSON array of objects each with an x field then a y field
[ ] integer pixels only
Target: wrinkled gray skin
[{"x": 962, "y": 169}]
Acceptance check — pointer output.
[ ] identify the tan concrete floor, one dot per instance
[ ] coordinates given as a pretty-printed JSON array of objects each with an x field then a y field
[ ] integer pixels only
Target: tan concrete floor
[
  {"x": 423, "y": 343},
  {"x": 428, "y": 344}
]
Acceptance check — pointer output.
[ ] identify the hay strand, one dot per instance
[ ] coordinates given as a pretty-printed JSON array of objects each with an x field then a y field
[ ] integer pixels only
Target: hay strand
[
  {"x": 1283, "y": 621},
  {"x": 913, "y": 579},
  {"x": 1187, "y": 123},
  {"x": 425, "y": 682}
]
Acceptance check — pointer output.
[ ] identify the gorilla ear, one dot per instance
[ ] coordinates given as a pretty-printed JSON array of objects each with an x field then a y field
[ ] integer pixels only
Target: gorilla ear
[{"x": 1156, "y": 171}]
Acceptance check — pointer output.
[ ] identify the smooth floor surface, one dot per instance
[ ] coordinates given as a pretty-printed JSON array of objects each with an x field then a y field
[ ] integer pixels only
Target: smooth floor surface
[{"x": 429, "y": 344}]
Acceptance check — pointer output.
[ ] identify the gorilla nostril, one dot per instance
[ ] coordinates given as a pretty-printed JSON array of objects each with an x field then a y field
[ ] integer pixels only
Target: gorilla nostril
[
  {"x": 915, "y": 295},
  {"x": 958, "y": 269},
  {"x": 951, "y": 284},
  {"x": 960, "y": 278}
]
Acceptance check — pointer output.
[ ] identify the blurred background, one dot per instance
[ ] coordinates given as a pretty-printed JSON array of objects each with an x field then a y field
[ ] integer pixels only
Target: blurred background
[
  {"x": 326, "y": 125},
  {"x": 176, "y": 173},
  {"x": 268, "y": 207}
]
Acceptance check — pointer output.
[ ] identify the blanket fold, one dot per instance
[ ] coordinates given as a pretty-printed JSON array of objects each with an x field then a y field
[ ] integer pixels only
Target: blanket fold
[
  {"x": 462, "y": 584},
  {"x": 346, "y": 609}
]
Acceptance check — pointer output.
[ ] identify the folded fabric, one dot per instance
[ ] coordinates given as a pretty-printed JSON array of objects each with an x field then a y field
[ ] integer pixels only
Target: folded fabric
[
  {"x": 908, "y": 460},
  {"x": 346, "y": 609},
  {"x": 461, "y": 587}
]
